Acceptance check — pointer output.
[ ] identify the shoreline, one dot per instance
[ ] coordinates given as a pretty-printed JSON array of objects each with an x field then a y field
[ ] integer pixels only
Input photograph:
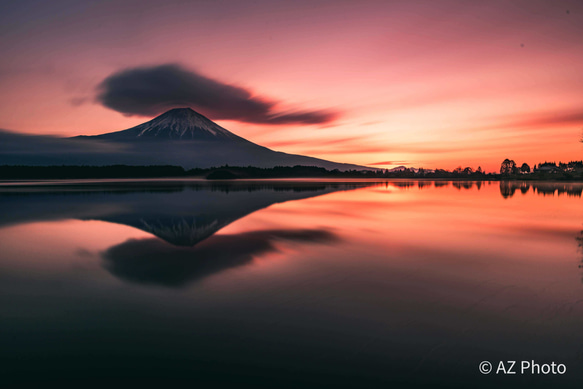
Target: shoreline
[{"x": 13, "y": 183}]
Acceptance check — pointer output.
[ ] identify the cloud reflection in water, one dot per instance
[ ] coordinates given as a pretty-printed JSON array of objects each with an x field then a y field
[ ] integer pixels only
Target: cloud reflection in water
[{"x": 155, "y": 262}]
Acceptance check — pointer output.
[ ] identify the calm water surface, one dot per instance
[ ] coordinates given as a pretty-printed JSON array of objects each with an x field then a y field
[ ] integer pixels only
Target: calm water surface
[{"x": 290, "y": 284}]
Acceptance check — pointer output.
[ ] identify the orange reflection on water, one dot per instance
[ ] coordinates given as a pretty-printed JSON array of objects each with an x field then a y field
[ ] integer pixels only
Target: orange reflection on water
[
  {"x": 56, "y": 246},
  {"x": 464, "y": 242},
  {"x": 444, "y": 218}
]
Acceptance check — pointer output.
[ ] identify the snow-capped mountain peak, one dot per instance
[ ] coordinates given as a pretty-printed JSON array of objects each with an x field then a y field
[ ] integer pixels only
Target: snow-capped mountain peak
[{"x": 178, "y": 124}]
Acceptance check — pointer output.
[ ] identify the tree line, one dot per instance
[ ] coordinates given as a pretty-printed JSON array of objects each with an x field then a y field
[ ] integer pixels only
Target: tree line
[
  {"x": 508, "y": 170},
  {"x": 565, "y": 170}
]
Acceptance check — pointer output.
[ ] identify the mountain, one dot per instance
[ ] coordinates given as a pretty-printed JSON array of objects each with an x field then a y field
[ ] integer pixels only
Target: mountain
[
  {"x": 179, "y": 137},
  {"x": 186, "y": 138},
  {"x": 176, "y": 124}
]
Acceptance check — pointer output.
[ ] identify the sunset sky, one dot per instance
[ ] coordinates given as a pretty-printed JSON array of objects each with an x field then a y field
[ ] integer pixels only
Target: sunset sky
[{"x": 433, "y": 84}]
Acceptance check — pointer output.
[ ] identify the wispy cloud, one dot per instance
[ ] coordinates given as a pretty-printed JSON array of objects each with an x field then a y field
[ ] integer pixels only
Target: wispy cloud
[
  {"x": 529, "y": 121},
  {"x": 312, "y": 141},
  {"x": 383, "y": 163},
  {"x": 533, "y": 120}
]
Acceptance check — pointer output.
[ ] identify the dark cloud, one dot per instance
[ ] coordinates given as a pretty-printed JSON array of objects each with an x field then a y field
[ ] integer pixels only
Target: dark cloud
[{"x": 148, "y": 91}]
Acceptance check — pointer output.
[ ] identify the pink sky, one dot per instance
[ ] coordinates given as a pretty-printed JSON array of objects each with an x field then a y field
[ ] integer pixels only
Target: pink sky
[{"x": 418, "y": 83}]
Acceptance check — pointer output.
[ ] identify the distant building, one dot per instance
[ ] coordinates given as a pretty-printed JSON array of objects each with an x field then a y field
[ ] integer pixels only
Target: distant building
[{"x": 547, "y": 168}]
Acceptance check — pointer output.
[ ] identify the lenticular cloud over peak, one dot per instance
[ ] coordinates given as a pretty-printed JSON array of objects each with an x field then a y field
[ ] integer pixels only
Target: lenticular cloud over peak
[{"x": 149, "y": 91}]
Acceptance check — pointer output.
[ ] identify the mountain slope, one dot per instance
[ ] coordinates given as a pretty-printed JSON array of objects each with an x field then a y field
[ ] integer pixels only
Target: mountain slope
[{"x": 179, "y": 137}]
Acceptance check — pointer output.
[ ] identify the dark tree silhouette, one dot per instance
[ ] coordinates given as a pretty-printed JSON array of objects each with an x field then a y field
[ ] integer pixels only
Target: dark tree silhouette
[
  {"x": 525, "y": 168},
  {"x": 508, "y": 167},
  {"x": 507, "y": 189}
]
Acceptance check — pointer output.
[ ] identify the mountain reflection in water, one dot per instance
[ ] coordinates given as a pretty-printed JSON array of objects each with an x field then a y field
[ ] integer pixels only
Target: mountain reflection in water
[{"x": 181, "y": 214}]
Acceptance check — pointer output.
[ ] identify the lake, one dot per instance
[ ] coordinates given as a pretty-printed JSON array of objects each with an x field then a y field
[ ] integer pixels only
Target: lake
[{"x": 290, "y": 283}]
